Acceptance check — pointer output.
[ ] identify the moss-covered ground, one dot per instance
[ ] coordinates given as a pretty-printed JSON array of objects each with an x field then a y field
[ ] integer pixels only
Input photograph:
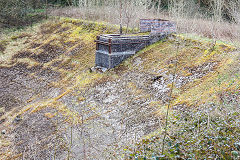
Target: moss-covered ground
[{"x": 53, "y": 105}]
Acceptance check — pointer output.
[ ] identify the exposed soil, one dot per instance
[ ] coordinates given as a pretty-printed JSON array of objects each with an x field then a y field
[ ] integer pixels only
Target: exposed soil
[
  {"x": 115, "y": 111},
  {"x": 202, "y": 70},
  {"x": 114, "y": 117},
  {"x": 36, "y": 137},
  {"x": 50, "y": 52},
  {"x": 24, "y": 54},
  {"x": 48, "y": 28},
  {"x": 2, "y": 46},
  {"x": 18, "y": 86},
  {"x": 35, "y": 45},
  {"x": 56, "y": 63}
]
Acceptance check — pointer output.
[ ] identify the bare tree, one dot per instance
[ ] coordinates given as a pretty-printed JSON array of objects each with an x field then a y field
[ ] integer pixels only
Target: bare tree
[
  {"x": 120, "y": 14},
  {"x": 129, "y": 12},
  {"x": 234, "y": 9},
  {"x": 217, "y": 8}
]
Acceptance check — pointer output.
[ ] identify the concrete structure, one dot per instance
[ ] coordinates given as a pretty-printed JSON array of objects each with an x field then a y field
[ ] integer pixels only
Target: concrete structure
[{"x": 112, "y": 49}]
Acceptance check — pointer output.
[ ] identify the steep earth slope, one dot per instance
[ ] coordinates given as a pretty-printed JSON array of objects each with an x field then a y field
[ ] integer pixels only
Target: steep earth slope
[{"x": 53, "y": 105}]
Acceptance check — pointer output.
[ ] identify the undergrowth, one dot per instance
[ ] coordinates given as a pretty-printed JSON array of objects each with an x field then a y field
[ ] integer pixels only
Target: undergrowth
[
  {"x": 207, "y": 72},
  {"x": 204, "y": 112},
  {"x": 207, "y": 132}
]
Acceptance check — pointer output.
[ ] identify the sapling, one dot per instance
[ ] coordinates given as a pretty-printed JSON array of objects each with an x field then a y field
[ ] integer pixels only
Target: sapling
[{"x": 170, "y": 97}]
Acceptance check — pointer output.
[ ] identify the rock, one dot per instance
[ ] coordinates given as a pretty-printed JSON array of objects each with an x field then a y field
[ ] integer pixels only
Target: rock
[
  {"x": 2, "y": 120},
  {"x": 90, "y": 70},
  {"x": 3, "y": 132},
  {"x": 17, "y": 119},
  {"x": 156, "y": 78}
]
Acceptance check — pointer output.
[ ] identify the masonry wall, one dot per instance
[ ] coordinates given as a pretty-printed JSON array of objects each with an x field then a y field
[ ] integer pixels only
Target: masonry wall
[
  {"x": 110, "y": 61},
  {"x": 112, "y": 50},
  {"x": 157, "y": 26},
  {"x": 122, "y": 44}
]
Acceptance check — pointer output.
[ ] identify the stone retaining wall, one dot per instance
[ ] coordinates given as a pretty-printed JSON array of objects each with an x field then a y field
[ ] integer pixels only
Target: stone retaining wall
[{"x": 113, "y": 49}]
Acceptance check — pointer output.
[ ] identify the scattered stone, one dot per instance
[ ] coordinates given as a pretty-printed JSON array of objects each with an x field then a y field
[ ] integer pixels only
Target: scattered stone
[
  {"x": 2, "y": 120},
  {"x": 156, "y": 78},
  {"x": 17, "y": 119},
  {"x": 137, "y": 61},
  {"x": 90, "y": 70},
  {"x": 3, "y": 132},
  {"x": 100, "y": 69}
]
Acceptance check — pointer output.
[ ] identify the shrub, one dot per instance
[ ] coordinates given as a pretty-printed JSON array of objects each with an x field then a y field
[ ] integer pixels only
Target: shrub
[{"x": 208, "y": 132}]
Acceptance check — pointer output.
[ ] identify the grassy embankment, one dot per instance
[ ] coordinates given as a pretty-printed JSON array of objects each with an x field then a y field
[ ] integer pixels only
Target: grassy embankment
[{"x": 207, "y": 75}]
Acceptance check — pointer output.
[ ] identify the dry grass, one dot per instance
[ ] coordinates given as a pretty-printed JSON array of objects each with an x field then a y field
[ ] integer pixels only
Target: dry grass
[
  {"x": 210, "y": 29},
  {"x": 84, "y": 93},
  {"x": 206, "y": 66},
  {"x": 200, "y": 26}
]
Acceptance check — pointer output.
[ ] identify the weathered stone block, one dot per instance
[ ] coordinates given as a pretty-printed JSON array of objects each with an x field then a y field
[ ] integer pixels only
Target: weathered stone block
[{"x": 105, "y": 60}]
